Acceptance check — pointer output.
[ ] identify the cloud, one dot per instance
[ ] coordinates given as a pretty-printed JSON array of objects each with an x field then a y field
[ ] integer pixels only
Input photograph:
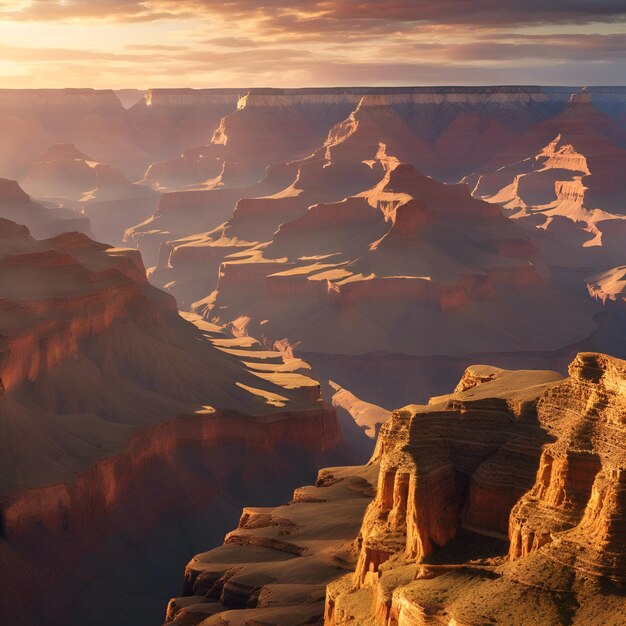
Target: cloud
[
  {"x": 131, "y": 43},
  {"x": 331, "y": 13}
]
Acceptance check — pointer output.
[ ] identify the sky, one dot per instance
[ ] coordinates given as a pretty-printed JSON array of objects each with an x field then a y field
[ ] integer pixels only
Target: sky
[{"x": 275, "y": 43}]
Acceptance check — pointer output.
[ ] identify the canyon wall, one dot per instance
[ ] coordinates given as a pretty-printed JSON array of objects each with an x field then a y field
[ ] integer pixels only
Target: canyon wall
[
  {"x": 108, "y": 394},
  {"x": 503, "y": 518}
]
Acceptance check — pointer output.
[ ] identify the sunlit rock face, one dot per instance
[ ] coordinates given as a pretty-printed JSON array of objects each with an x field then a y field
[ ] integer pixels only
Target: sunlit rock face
[
  {"x": 563, "y": 180},
  {"x": 107, "y": 393},
  {"x": 500, "y": 503}
]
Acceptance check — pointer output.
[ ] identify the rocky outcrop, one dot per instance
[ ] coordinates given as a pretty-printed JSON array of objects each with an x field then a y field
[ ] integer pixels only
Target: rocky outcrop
[
  {"x": 500, "y": 503},
  {"x": 107, "y": 392},
  {"x": 274, "y": 568},
  {"x": 576, "y": 507}
]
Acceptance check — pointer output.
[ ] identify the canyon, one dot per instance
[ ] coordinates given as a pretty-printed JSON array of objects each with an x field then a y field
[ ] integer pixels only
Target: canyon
[{"x": 208, "y": 295}]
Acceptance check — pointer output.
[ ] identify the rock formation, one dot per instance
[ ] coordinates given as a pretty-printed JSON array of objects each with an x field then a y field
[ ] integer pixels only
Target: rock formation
[
  {"x": 445, "y": 132},
  {"x": 105, "y": 393},
  {"x": 273, "y": 569},
  {"x": 500, "y": 503},
  {"x": 411, "y": 266}
]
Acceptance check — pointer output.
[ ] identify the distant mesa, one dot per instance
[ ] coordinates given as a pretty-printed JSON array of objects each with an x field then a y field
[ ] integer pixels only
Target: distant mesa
[{"x": 65, "y": 172}]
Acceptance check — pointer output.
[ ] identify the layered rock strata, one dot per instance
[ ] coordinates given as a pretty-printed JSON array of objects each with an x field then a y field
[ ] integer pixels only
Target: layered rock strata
[{"x": 500, "y": 503}]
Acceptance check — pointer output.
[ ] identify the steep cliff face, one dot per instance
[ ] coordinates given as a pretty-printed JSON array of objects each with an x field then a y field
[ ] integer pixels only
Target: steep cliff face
[
  {"x": 500, "y": 503},
  {"x": 576, "y": 506},
  {"x": 107, "y": 392}
]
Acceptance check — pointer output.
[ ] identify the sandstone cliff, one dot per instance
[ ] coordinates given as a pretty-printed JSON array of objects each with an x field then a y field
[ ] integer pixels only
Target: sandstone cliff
[{"x": 500, "y": 503}]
